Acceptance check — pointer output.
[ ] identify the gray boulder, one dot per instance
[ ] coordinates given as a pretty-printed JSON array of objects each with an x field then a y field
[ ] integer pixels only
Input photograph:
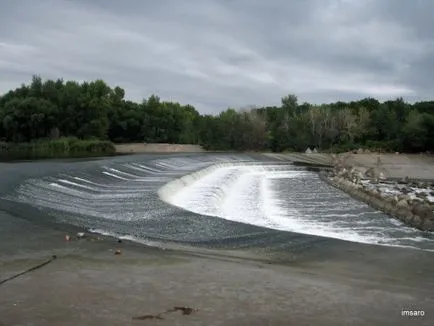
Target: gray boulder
[
  {"x": 423, "y": 211},
  {"x": 409, "y": 217},
  {"x": 370, "y": 173},
  {"x": 428, "y": 225},
  {"x": 417, "y": 221},
  {"x": 402, "y": 204},
  {"x": 405, "y": 190},
  {"x": 422, "y": 195}
]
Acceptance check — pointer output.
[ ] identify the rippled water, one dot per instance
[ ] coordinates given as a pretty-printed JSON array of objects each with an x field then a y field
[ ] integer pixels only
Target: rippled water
[
  {"x": 220, "y": 198},
  {"x": 291, "y": 199}
]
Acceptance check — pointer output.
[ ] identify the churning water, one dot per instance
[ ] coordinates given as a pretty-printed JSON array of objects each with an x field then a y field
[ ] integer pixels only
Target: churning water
[{"x": 211, "y": 198}]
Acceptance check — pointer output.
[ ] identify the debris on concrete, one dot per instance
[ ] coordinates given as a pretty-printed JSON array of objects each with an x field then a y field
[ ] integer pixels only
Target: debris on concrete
[
  {"x": 144, "y": 317},
  {"x": 184, "y": 310}
]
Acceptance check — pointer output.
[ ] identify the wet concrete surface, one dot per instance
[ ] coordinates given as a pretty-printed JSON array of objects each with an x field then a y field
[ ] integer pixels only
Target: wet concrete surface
[
  {"x": 88, "y": 285},
  {"x": 84, "y": 292}
]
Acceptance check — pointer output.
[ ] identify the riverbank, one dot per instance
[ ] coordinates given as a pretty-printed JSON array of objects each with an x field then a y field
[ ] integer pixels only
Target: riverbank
[
  {"x": 415, "y": 212},
  {"x": 88, "y": 284},
  {"x": 401, "y": 185},
  {"x": 72, "y": 148},
  {"x": 55, "y": 149},
  {"x": 393, "y": 166},
  {"x": 140, "y": 148}
]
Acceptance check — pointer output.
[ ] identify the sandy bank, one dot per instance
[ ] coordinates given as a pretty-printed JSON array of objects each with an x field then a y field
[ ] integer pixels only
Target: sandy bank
[{"x": 138, "y": 148}]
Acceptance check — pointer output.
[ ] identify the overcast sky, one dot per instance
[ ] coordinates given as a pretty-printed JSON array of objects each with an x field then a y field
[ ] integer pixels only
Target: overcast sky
[{"x": 219, "y": 53}]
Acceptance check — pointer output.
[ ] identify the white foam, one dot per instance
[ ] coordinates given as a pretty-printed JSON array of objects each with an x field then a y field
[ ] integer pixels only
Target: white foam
[
  {"x": 115, "y": 176},
  {"x": 227, "y": 187},
  {"x": 244, "y": 193},
  {"x": 77, "y": 184},
  {"x": 117, "y": 192}
]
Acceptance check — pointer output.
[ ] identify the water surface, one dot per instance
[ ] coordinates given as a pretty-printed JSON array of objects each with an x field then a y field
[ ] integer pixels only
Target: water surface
[{"x": 226, "y": 200}]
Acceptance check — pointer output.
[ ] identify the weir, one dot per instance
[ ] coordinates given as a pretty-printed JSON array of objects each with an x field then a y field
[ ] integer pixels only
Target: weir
[
  {"x": 203, "y": 199},
  {"x": 287, "y": 198}
]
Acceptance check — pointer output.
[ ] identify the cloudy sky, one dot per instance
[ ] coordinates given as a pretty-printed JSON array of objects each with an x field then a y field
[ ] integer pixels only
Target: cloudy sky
[{"x": 219, "y": 53}]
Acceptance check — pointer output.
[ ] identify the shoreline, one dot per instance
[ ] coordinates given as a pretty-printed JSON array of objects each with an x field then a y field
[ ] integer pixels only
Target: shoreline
[
  {"x": 118, "y": 149},
  {"x": 414, "y": 215},
  {"x": 347, "y": 172}
]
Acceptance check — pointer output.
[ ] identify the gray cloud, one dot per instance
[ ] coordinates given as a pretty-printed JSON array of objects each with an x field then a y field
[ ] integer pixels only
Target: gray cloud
[{"x": 219, "y": 53}]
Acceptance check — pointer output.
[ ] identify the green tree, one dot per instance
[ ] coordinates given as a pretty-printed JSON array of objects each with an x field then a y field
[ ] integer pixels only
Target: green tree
[
  {"x": 415, "y": 132},
  {"x": 93, "y": 110}
]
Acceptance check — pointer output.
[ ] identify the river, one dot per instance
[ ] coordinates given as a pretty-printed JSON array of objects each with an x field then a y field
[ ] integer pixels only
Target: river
[{"x": 222, "y": 201}]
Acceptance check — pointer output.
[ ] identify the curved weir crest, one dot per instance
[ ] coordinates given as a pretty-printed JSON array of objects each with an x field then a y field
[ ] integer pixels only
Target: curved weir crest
[
  {"x": 283, "y": 198},
  {"x": 212, "y": 200}
]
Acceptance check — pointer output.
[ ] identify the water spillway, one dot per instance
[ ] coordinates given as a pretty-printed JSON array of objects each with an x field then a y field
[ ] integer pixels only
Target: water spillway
[
  {"x": 288, "y": 198},
  {"x": 237, "y": 200}
]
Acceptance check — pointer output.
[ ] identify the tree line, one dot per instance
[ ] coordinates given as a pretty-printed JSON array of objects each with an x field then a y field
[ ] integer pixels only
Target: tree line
[{"x": 53, "y": 109}]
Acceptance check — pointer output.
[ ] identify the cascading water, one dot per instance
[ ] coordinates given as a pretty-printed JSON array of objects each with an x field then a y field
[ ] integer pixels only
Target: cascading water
[
  {"x": 290, "y": 199},
  {"x": 213, "y": 199}
]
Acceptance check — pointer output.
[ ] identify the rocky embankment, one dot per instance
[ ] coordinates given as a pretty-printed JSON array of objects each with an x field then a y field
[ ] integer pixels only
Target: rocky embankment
[
  {"x": 412, "y": 202},
  {"x": 401, "y": 185}
]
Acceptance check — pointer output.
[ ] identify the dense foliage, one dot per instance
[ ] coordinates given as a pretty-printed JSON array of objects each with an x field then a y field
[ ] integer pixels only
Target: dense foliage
[
  {"x": 51, "y": 109},
  {"x": 55, "y": 148}
]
